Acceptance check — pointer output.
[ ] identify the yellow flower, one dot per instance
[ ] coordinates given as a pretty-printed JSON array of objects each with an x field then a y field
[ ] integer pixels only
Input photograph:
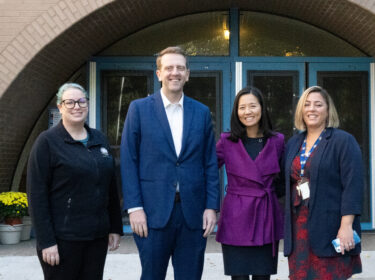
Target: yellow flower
[{"x": 13, "y": 204}]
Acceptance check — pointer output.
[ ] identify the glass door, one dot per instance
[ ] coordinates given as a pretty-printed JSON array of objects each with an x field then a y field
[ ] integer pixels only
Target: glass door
[
  {"x": 119, "y": 88},
  {"x": 212, "y": 83},
  {"x": 281, "y": 85},
  {"x": 121, "y": 83},
  {"x": 348, "y": 85},
  {"x": 206, "y": 87},
  {"x": 209, "y": 83}
]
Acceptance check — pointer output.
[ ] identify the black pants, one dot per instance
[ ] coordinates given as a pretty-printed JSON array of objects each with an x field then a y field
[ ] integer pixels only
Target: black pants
[{"x": 79, "y": 260}]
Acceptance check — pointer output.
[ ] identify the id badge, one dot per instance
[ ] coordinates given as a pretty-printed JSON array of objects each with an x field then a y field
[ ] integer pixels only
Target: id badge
[{"x": 303, "y": 189}]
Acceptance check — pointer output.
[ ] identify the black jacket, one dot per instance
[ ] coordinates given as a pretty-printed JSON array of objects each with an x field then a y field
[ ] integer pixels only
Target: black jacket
[{"x": 72, "y": 188}]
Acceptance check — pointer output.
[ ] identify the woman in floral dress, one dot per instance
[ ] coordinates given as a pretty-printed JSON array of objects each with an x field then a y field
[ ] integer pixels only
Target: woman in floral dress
[{"x": 324, "y": 187}]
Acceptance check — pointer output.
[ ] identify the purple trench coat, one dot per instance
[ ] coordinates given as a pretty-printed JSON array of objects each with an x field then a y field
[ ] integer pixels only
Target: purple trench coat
[{"x": 250, "y": 214}]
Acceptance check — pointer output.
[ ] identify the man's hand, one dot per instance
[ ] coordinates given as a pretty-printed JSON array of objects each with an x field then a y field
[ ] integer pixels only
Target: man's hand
[
  {"x": 113, "y": 241},
  {"x": 138, "y": 222},
  {"x": 209, "y": 221},
  {"x": 51, "y": 255}
]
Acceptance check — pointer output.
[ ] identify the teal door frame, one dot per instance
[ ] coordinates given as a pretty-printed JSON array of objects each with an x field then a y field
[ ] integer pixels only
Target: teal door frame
[
  {"x": 347, "y": 66},
  {"x": 234, "y": 69},
  {"x": 277, "y": 66}
]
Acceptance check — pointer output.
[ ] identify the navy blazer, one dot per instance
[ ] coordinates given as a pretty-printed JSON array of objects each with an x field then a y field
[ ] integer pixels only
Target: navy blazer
[
  {"x": 150, "y": 168},
  {"x": 336, "y": 189}
]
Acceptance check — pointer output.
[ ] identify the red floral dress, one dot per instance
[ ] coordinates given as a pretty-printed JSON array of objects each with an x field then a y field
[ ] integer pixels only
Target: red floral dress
[{"x": 303, "y": 263}]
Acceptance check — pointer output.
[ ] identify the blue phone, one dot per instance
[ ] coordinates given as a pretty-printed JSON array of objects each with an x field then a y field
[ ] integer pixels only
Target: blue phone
[{"x": 336, "y": 242}]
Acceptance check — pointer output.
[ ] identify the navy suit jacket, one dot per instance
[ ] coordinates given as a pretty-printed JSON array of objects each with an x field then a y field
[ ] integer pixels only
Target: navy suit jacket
[
  {"x": 150, "y": 168},
  {"x": 336, "y": 189}
]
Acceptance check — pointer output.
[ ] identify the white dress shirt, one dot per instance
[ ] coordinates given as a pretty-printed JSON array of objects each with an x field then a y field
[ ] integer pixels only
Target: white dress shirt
[
  {"x": 175, "y": 120},
  {"x": 175, "y": 114}
]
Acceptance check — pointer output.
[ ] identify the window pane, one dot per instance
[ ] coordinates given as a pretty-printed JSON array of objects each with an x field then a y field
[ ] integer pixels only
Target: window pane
[
  {"x": 120, "y": 88},
  {"x": 280, "y": 89},
  {"x": 205, "y": 87},
  {"x": 349, "y": 91},
  {"x": 269, "y": 35},
  {"x": 198, "y": 34}
]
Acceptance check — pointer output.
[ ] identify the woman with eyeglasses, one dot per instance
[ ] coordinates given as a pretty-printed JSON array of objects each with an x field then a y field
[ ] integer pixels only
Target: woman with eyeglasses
[{"x": 72, "y": 193}]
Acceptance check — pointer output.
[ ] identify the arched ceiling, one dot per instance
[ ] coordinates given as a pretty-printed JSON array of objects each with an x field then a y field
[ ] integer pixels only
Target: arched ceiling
[{"x": 27, "y": 91}]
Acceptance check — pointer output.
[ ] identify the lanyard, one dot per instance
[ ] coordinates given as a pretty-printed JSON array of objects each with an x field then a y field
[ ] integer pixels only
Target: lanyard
[{"x": 305, "y": 156}]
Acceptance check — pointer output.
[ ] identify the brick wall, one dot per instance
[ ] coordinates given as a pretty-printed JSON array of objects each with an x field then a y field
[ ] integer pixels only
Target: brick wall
[
  {"x": 43, "y": 42},
  {"x": 15, "y": 15},
  {"x": 26, "y": 26}
]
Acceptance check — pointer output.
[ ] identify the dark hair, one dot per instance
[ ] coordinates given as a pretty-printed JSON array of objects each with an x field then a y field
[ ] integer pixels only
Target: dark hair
[{"x": 237, "y": 129}]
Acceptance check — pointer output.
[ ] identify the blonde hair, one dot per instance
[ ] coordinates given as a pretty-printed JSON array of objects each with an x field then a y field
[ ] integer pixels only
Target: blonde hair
[
  {"x": 333, "y": 117},
  {"x": 174, "y": 50}
]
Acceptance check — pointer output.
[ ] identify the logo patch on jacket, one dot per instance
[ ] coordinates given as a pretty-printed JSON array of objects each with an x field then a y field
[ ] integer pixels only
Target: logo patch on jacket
[{"x": 104, "y": 152}]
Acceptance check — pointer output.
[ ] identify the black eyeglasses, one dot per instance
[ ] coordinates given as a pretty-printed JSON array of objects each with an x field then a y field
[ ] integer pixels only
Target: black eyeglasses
[{"x": 71, "y": 103}]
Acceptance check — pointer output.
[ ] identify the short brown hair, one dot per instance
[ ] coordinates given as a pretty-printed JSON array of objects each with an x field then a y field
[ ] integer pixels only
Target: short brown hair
[
  {"x": 175, "y": 50},
  {"x": 333, "y": 117}
]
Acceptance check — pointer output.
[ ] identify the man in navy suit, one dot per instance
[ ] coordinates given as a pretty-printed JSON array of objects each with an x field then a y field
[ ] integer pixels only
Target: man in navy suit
[{"x": 169, "y": 174}]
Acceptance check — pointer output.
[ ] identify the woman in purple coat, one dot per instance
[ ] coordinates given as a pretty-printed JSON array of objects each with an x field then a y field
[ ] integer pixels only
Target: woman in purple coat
[{"x": 251, "y": 220}]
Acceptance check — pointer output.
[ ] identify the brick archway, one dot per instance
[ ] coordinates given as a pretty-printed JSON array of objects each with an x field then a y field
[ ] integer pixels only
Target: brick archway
[{"x": 59, "y": 41}]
